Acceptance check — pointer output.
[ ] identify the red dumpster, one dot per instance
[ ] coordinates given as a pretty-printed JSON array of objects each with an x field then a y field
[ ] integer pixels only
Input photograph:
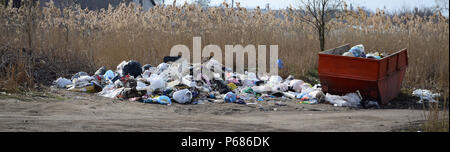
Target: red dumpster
[{"x": 375, "y": 79}]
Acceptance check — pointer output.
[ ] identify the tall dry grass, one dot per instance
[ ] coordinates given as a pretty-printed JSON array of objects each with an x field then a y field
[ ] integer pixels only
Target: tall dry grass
[{"x": 73, "y": 39}]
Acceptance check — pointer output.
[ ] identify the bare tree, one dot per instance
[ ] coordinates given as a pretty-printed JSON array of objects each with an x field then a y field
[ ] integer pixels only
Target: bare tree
[{"x": 318, "y": 13}]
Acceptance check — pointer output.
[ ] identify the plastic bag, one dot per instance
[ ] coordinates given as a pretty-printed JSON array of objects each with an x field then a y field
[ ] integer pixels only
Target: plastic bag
[
  {"x": 162, "y": 67},
  {"x": 280, "y": 64},
  {"x": 348, "y": 54},
  {"x": 425, "y": 95},
  {"x": 296, "y": 85},
  {"x": 261, "y": 89},
  {"x": 349, "y": 100},
  {"x": 164, "y": 100},
  {"x": 280, "y": 88},
  {"x": 291, "y": 95},
  {"x": 140, "y": 86},
  {"x": 82, "y": 80},
  {"x": 156, "y": 83},
  {"x": 187, "y": 80},
  {"x": 78, "y": 75},
  {"x": 62, "y": 82},
  {"x": 132, "y": 68},
  {"x": 275, "y": 80},
  {"x": 230, "y": 97},
  {"x": 182, "y": 96},
  {"x": 358, "y": 51},
  {"x": 232, "y": 86},
  {"x": 109, "y": 91},
  {"x": 109, "y": 75},
  {"x": 146, "y": 67},
  {"x": 120, "y": 68}
]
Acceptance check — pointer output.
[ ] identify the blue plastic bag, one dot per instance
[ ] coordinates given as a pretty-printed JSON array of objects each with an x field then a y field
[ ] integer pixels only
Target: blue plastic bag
[
  {"x": 109, "y": 75},
  {"x": 358, "y": 51},
  {"x": 230, "y": 97},
  {"x": 280, "y": 64},
  {"x": 164, "y": 100}
]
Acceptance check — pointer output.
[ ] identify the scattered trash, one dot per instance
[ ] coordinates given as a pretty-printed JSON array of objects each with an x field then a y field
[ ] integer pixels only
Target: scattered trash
[
  {"x": 146, "y": 67},
  {"x": 88, "y": 87},
  {"x": 260, "y": 99},
  {"x": 62, "y": 82},
  {"x": 358, "y": 51},
  {"x": 78, "y": 75},
  {"x": 132, "y": 68},
  {"x": 425, "y": 95},
  {"x": 168, "y": 59},
  {"x": 173, "y": 80},
  {"x": 371, "y": 104},
  {"x": 349, "y": 100}
]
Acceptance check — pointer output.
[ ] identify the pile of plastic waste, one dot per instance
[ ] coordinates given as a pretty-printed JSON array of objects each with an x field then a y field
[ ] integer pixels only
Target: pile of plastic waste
[
  {"x": 358, "y": 51},
  {"x": 174, "y": 82}
]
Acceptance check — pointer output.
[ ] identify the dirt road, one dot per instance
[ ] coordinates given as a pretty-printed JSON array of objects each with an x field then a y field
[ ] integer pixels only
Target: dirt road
[{"x": 88, "y": 112}]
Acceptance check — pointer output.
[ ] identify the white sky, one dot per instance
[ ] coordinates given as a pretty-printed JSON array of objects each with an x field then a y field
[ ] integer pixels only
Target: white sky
[{"x": 370, "y": 4}]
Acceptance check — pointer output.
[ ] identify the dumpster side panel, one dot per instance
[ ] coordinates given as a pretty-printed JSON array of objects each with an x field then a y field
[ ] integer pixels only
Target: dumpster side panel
[
  {"x": 348, "y": 67},
  {"x": 389, "y": 86},
  {"x": 341, "y": 86}
]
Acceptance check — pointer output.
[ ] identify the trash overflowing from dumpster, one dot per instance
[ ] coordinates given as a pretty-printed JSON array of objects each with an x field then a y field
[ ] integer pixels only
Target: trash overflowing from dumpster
[
  {"x": 173, "y": 81},
  {"x": 358, "y": 51}
]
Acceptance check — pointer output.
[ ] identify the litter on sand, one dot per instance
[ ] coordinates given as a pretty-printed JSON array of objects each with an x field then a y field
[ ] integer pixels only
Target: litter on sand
[{"x": 172, "y": 80}]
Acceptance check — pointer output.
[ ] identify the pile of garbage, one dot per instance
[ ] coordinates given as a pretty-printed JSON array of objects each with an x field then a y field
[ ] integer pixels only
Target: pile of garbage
[
  {"x": 173, "y": 80},
  {"x": 358, "y": 51}
]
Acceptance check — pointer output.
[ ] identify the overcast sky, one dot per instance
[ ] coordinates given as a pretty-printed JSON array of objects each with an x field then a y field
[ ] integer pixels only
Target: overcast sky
[{"x": 370, "y": 4}]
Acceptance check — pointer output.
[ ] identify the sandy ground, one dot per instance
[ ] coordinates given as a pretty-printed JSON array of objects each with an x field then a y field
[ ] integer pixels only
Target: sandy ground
[{"x": 60, "y": 110}]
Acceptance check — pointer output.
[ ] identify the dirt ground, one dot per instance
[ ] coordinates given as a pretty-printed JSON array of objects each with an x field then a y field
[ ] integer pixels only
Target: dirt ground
[{"x": 60, "y": 110}]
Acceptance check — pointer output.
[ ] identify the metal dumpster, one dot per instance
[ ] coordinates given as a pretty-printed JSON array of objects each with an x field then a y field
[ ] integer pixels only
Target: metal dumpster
[{"x": 375, "y": 79}]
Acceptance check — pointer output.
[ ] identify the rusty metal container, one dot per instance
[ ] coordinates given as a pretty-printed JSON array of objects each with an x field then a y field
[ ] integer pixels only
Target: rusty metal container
[{"x": 375, "y": 79}]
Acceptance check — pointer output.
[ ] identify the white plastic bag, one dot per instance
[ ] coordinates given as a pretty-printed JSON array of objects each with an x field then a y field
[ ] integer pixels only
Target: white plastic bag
[
  {"x": 275, "y": 80},
  {"x": 425, "y": 95},
  {"x": 353, "y": 99},
  {"x": 162, "y": 67},
  {"x": 156, "y": 83},
  {"x": 280, "y": 88},
  {"x": 187, "y": 80},
  {"x": 182, "y": 96},
  {"x": 109, "y": 91},
  {"x": 120, "y": 67},
  {"x": 141, "y": 86},
  {"x": 62, "y": 82},
  {"x": 349, "y": 100},
  {"x": 261, "y": 89},
  {"x": 296, "y": 85}
]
